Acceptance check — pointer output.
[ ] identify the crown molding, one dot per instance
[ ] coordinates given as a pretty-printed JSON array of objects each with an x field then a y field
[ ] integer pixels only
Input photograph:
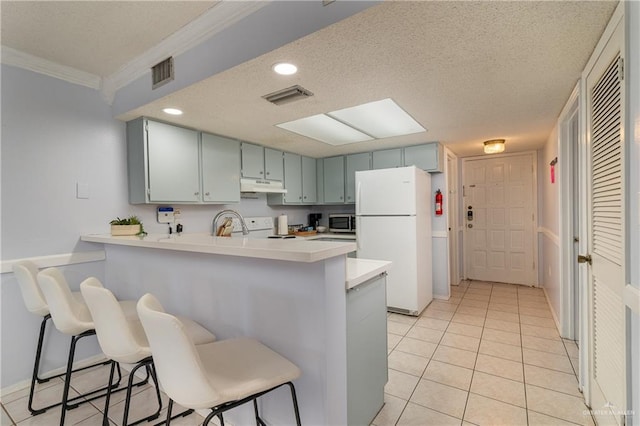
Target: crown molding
[
  {"x": 221, "y": 16},
  {"x": 34, "y": 63}
]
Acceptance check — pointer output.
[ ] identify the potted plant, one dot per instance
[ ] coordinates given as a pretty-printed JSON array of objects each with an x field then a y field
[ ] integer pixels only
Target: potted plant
[{"x": 127, "y": 226}]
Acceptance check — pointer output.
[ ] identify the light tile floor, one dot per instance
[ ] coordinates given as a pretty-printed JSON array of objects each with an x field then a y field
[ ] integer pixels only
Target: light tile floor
[
  {"x": 490, "y": 355},
  {"x": 143, "y": 403}
]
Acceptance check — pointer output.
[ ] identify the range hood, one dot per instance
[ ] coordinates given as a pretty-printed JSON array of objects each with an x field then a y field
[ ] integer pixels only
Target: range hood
[{"x": 259, "y": 185}]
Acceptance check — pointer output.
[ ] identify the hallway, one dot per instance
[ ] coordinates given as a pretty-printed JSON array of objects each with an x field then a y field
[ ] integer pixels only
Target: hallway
[{"x": 490, "y": 355}]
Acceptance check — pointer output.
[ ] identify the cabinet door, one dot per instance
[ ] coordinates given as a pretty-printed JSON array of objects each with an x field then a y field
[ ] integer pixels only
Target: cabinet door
[
  {"x": 174, "y": 174},
  {"x": 220, "y": 169},
  {"x": 309, "y": 187},
  {"x": 273, "y": 166},
  {"x": 252, "y": 161},
  {"x": 426, "y": 157},
  {"x": 292, "y": 178},
  {"x": 387, "y": 159},
  {"x": 334, "y": 179},
  {"x": 366, "y": 350},
  {"x": 355, "y": 163}
]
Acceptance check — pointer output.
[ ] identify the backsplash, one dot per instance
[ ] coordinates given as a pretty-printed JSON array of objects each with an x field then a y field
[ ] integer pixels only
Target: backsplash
[{"x": 197, "y": 218}]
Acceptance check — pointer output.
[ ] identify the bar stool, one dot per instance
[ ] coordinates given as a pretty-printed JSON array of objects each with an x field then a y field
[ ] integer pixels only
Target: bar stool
[
  {"x": 26, "y": 273},
  {"x": 73, "y": 318},
  {"x": 220, "y": 375},
  {"x": 123, "y": 340}
]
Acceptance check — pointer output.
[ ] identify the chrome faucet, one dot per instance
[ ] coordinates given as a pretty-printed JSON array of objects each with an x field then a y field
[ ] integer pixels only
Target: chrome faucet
[{"x": 214, "y": 223}]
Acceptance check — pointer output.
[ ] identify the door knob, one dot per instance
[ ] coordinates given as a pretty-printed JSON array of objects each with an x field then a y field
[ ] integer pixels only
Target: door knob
[{"x": 584, "y": 258}]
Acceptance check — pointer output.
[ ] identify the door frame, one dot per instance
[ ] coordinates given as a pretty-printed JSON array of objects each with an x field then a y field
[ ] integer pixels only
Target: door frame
[
  {"x": 452, "y": 201},
  {"x": 534, "y": 207},
  {"x": 567, "y": 207}
]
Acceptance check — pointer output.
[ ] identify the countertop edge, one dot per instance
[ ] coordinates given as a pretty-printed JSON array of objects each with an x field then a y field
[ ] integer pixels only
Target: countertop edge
[
  {"x": 361, "y": 270},
  {"x": 276, "y": 249}
]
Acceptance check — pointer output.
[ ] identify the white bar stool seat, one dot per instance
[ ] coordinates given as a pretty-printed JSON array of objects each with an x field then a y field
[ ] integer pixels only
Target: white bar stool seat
[
  {"x": 72, "y": 317},
  {"x": 26, "y": 274},
  {"x": 123, "y": 340},
  {"x": 219, "y": 375}
]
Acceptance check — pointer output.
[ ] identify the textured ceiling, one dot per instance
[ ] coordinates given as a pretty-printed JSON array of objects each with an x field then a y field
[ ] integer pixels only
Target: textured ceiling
[
  {"x": 97, "y": 37},
  {"x": 467, "y": 71}
]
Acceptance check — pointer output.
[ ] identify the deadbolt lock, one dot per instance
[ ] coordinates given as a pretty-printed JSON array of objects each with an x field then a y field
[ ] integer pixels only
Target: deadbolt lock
[{"x": 584, "y": 258}]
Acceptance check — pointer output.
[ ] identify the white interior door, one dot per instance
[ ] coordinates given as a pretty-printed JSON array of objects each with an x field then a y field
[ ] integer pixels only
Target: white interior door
[
  {"x": 499, "y": 209},
  {"x": 606, "y": 229}
]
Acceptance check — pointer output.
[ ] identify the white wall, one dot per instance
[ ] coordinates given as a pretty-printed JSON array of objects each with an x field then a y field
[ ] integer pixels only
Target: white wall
[
  {"x": 440, "y": 247},
  {"x": 55, "y": 134},
  {"x": 548, "y": 224}
]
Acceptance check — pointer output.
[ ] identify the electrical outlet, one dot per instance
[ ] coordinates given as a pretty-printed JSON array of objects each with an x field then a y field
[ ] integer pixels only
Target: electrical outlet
[{"x": 165, "y": 214}]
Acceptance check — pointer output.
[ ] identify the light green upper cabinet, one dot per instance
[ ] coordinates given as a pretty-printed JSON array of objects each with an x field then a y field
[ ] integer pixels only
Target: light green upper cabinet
[
  {"x": 292, "y": 178},
  {"x": 299, "y": 180},
  {"x": 309, "y": 186},
  {"x": 170, "y": 164},
  {"x": 387, "y": 159},
  {"x": 334, "y": 180},
  {"x": 273, "y": 164},
  {"x": 163, "y": 163},
  {"x": 259, "y": 162},
  {"x": 220, "y": 169},
  {"x": 355, "y": 163},
  {"x": 252, "y": 161},
  {"x": 428, "y": 157}
]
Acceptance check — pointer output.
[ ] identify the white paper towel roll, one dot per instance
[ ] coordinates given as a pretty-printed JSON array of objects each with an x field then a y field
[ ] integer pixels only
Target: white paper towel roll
[{"x": 283, "y": 228}]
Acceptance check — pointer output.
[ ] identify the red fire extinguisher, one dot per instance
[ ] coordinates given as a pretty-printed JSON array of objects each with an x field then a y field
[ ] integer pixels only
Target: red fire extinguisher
[{"x": 438, "y": 203}]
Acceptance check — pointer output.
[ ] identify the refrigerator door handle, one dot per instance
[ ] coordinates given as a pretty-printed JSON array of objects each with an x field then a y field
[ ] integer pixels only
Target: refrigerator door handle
[{"x": 358, "y": 201}]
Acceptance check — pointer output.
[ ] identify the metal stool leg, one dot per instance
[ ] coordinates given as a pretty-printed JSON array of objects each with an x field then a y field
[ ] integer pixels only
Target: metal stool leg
[{"x": 295, "y": 403}]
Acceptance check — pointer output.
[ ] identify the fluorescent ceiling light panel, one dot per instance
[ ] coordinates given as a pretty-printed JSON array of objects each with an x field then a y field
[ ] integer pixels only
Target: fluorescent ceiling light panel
[
  {"x": 380, "y": 119},
  {"x": 325, "y": 129}
]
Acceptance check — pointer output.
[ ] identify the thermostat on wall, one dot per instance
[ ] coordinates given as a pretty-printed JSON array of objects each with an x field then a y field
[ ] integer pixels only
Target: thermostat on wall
[{"x": 165, "y": 214}]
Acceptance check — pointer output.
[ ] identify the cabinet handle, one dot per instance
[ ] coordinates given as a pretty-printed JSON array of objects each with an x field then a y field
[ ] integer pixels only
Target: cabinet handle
[
  {"x": 300, "y": 198},
  {"x": 206, "y": 193},
  {"x": 261, "y": 172},
  {"x": 196, "y": 193},
  {"x": 341, "y": 197},
  {"x": 268, "y": 173}
]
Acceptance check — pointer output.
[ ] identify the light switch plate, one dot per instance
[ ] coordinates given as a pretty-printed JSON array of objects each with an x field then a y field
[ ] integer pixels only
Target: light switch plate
[
  {"x": 82, "y": 190},
  {"x": 165, "y": 214}
]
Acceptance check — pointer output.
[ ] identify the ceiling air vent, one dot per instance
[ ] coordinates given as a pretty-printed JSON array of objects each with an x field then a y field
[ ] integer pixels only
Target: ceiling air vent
[
  {"x": 287, "y": 95},
  {"x": 162, "y": 73}
]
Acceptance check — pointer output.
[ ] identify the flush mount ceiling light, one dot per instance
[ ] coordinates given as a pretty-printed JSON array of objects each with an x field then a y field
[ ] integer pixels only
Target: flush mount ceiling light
[
  {"x": 373, "y": 120},
  {"x": 325, "y": 129},
  {"x": 494, "y": 146},
  {"x": 285, "y": 68},
  {"x": 172, "y": 111}
]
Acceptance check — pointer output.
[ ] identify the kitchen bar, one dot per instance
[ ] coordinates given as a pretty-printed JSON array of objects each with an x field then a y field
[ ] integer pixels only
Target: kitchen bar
[{"x": 292, "y": 295}]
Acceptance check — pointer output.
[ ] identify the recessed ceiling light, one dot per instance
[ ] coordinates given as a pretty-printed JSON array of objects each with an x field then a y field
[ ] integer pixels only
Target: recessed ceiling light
[
  {"x": 285, "y": 68},
  {"x": 172, "y": 111}
]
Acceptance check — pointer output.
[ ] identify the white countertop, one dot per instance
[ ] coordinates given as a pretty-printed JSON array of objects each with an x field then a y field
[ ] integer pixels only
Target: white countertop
[
  {"x": 362, "y": 270},
  {"x": 294, "y": 250}
]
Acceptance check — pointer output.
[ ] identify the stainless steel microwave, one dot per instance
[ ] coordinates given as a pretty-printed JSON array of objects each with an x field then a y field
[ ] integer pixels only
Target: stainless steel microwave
[{"x": 342, "y": 223}]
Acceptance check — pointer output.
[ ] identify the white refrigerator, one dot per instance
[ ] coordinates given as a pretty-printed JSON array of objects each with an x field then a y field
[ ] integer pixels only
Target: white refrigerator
[{"x": 393, "y": 222}]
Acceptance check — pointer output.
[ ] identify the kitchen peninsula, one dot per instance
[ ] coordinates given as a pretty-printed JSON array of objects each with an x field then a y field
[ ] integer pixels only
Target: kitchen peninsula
[{"x": 304, "y": 299}]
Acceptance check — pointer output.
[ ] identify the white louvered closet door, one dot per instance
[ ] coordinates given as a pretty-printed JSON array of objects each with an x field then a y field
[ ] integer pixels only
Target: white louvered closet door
[{"x": 605, "y": 112}]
